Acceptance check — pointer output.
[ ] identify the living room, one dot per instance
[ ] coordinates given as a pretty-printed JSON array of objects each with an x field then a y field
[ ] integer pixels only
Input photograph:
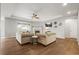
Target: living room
[{"x": 39, "y": 26}]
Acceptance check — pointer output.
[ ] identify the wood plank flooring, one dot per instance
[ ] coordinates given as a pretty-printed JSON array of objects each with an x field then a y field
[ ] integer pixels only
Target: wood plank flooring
[{"x": 60, "y": 47}]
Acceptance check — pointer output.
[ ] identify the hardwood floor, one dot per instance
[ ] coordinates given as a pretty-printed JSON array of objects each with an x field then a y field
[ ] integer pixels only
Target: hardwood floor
[{"x": 60, "y": 47}]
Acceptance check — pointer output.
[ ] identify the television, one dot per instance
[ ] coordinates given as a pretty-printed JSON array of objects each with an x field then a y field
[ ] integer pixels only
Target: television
[
  {"x": 37, "y": 31},
  {"x": 48, "y": 25}
]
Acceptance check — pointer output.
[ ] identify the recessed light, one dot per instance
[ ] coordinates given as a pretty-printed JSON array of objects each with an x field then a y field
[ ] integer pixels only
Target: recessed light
[
  {"x": 68, "y": 21},
  {"x": 64, "y": 4},
  {"x": 19, "y": 26},
  {"x": 69, "y": 12}
]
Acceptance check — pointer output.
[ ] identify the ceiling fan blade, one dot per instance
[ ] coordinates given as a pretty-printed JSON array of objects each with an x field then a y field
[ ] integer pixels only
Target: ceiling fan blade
[{"x": 35, "y": 16}]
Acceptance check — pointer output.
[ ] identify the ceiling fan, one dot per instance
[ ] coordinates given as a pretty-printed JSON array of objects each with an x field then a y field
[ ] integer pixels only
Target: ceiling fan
[{"x": 35, "y": 16}]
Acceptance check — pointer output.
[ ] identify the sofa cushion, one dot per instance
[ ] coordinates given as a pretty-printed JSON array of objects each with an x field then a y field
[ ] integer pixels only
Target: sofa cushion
[
  {"x": 49, "y": 33},
  {"x": 26, "y": 34}
]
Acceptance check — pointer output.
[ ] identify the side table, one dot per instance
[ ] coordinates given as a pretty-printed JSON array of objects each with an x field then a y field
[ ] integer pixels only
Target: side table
[{"x": 34, "y": 39}]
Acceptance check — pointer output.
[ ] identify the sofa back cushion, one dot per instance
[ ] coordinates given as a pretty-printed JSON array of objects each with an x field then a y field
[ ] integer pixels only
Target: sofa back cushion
[
  {"x": 26, "y": 34},
  {"x": 50, "y": 33}
]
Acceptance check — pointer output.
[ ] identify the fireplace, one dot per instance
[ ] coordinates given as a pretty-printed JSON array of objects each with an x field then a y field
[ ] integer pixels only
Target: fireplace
[{"x": 37, "y": 31}]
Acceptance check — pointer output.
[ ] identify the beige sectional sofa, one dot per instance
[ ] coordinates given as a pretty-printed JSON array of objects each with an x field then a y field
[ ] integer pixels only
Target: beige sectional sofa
[
  {"x": 45, "y": 39},
  {"x": 23, "y": 37}
]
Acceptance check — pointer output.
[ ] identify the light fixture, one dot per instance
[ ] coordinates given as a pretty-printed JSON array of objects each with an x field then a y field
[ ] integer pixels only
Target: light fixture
[
  {"x": 64, "y": 4},
  {"x": 19, "y": 26},
  {"x": 35, "y": 16},
  {"x": 69, "y": 12}
]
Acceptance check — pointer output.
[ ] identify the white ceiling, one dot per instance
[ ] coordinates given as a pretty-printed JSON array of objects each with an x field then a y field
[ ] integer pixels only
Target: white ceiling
[{"x": 45, "y": 11}]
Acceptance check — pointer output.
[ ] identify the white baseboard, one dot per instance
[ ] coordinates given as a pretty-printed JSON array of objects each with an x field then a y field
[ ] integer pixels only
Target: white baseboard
[
  {"x": 2, "y": 37},
  {"x": 67, "y": 37},
  {"x": 8, "y": 37}
]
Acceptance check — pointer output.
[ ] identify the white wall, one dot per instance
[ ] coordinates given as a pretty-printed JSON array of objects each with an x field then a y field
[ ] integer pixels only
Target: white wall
[
  {"x": 10, "y": 28},
  {"x": 67, "y": 29},
  {"x": 0, "y": 19},
  {"x": 2, "y": 27},
  {"x": 37, "y": 26},
  {"x": 78, "y": 29},
  {"x": 71, "y": 28},
  {"x": 23, "y": 26},
  {"x": 59, "y": 30}
]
